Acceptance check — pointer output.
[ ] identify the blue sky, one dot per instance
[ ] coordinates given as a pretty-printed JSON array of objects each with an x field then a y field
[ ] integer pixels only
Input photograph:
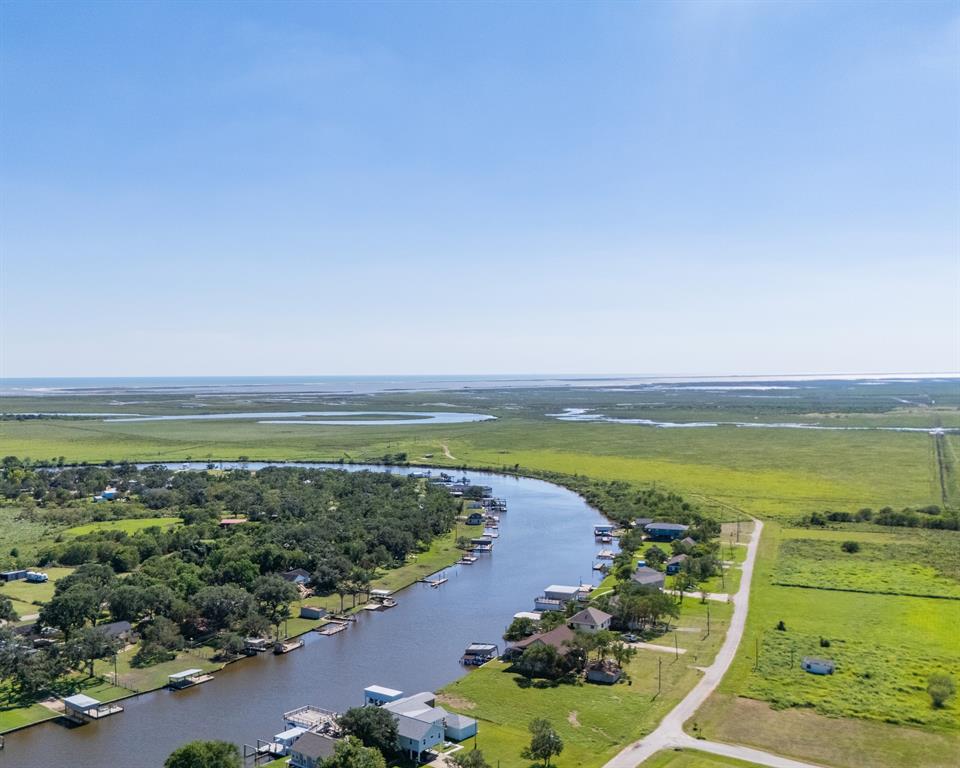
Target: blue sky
[{"x": 306, "y": 188}]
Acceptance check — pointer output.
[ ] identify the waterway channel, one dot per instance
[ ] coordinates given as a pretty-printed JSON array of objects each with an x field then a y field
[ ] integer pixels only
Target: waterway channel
[{"x": 546, "y": 537}]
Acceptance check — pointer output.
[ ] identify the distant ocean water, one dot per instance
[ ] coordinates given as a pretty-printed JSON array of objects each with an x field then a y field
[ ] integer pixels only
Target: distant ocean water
[
  {"x": 38, "y": 386},
  {"x": 12, "y": 387}
]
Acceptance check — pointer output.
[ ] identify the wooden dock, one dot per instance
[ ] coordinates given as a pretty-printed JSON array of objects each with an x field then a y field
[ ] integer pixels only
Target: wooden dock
[
  {"x": 332, "y": 628},
  {"x": 434, "y": 582},
  {"x": 285, "y": 646}
]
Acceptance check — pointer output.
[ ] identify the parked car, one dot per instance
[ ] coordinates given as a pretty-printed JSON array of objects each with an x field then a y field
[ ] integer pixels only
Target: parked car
[{"x": 630, "y": 638}]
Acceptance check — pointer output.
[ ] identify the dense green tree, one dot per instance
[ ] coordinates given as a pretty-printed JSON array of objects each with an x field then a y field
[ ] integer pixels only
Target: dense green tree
[
  {"x": 350, "y": 753},
  {"x": 204, "y": 754},
  {"x": 375, "y": 727},
  {"x": 7, "y": 612},
  {"x": 472, "y": 758},
  {"x": 223, "y": 607},
  {"x": 520, "y": 628},
  {"x": 88, "y": 644},
  {"x": 540, "y": 660},
  {"x": 71, "y": 609},
  {"x": 273, "y": 596},
  {"x": 545, "y": 742},
  {"x": 654, "y": 557}
]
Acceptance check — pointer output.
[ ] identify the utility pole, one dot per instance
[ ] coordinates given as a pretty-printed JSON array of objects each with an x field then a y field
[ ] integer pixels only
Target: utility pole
[
  {"x": 659, "y": 668},
  {"x": 676, "y": 645}
]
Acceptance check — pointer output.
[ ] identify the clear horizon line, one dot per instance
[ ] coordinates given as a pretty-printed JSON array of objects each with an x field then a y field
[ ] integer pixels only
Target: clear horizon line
[{"x": 514, "y": 375}]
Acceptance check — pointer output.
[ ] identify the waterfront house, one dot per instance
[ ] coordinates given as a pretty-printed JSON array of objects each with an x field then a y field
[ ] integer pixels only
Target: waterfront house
[
  {"x": 675, "y": 563},
  {"x": 665, "y": 531},
  {"x": 296, "y": 576},
  {"x": 475, "y": 518},
  {"x": 818, "y": 666},
  {"x": 558, "y": 638},
  {"x": 555, "y": 597},
  {"x": 310, "y": 749},
  {"x": 377, "y": 695},
  {"x": 422, "y": 725},
  {"x": 590, "y": 620},
  {"x": 649, "y": 577},
  {"x": 418, "y": 734},
  {"x": 312, "y": 612}
]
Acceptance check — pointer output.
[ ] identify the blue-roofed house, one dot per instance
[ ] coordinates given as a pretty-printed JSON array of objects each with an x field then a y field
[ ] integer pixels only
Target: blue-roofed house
[{"x": 666, "y": 531}]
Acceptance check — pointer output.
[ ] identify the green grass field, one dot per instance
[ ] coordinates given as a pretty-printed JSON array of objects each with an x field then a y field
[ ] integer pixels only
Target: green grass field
[
  {"x": 779, "y": 473},
  {"x": 128, "y": 525},
  {"x": 922, "y": 563},
  {"x": 885, "y": 646}
]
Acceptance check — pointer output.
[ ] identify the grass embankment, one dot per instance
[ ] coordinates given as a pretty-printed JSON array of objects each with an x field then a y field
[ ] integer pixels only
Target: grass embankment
[
  {"x": 594, "y": 721},
  {"x": 869, "y": 713}
]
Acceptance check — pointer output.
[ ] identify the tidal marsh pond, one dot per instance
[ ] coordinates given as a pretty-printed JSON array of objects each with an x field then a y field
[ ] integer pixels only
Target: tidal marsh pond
[{"x": 546, "y": 537}]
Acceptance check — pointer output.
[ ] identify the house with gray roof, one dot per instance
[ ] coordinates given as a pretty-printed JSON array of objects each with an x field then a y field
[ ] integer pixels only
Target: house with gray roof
[
  {"x": 310, "y": 749},
  {"x": 646, "y": 576},
  {"x": 590, "y": 620},
  {"x": 422, "y": 725}
]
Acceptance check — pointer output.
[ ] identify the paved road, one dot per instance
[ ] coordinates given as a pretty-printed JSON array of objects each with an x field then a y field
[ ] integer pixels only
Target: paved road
[
  {"x": 717, "y": 597},
  {"x": 669, "y": 734}
]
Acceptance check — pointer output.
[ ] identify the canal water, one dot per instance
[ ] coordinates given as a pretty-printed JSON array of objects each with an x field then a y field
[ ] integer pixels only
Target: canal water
[{"x": 546, "y": 537}]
